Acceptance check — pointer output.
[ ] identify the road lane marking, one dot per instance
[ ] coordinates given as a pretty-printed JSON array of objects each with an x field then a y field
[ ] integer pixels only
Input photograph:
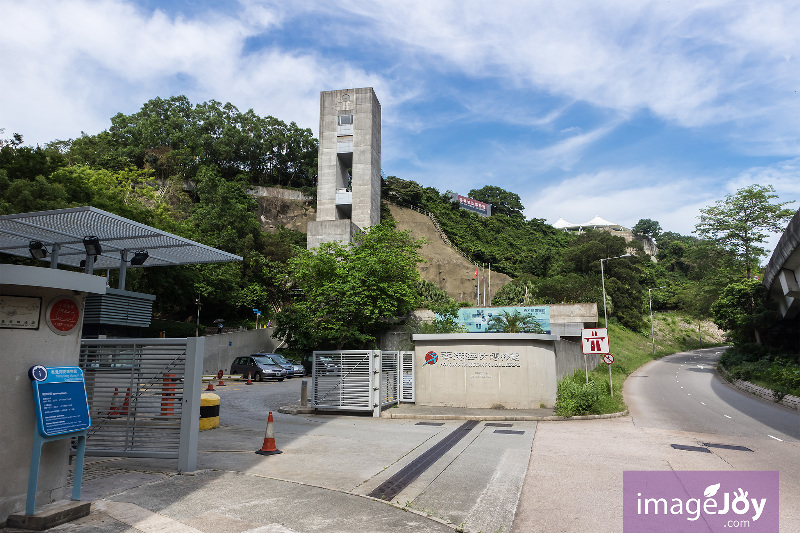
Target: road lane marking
[
  {"x": 703, "y": 403},
  {"x": 726, "y": 416},
  {"x": 776, "y": 438}
]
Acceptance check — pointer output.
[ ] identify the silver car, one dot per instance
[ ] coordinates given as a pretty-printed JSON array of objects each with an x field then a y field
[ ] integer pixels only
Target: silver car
[{"x": 282, "y": 361}]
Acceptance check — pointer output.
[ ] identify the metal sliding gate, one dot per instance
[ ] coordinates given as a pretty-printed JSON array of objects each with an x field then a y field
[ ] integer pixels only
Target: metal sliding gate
[
  {"x": 144, "y": 397},
  {"x": 358, "y": 380}
]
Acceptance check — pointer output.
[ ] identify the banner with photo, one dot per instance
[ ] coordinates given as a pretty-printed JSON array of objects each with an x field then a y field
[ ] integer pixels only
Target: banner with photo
[{"x": 476, "y": 319}]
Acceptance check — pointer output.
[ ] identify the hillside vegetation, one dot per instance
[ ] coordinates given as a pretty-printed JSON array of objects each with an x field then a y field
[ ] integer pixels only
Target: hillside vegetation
[{"x": 186, "y": 168}]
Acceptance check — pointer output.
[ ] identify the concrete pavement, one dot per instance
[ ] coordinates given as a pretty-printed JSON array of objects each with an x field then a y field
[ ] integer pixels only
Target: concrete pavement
[{"x": 531, "y": 475}]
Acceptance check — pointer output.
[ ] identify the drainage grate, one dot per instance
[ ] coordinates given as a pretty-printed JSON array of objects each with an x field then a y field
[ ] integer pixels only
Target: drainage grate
[
  {"x": 429, "y": 424},
  {"x": 498, "y": 425},
  {"x": 509, "y": 432},
  {"x": 690, "y": 448},
  {"x": 395, "y": 484},
  {"x": 728, "y": 447}
]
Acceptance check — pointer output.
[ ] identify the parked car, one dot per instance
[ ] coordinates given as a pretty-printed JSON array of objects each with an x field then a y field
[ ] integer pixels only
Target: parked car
[
  {"x": 283, "y": 362},
  {"x": 325, "y": 365},
  {"x": 259, "y": 367}
]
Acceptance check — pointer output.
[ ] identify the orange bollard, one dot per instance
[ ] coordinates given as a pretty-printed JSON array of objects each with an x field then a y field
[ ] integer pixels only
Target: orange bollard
[
  {"x": 168, "y": 395},
  {"x": 268, "y": 447},
  {"x": 249, "y": 381}
]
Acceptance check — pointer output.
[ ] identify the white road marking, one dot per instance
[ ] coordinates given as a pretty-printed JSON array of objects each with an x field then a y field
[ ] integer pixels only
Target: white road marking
[
  {"x": 776, "y": 438},
  {"x": 703, "y": 403},
  {"x": 726, "y": 416}
]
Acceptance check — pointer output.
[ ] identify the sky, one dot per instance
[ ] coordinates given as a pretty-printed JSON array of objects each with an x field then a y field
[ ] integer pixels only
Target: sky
[{"x": 627, "y": 110}]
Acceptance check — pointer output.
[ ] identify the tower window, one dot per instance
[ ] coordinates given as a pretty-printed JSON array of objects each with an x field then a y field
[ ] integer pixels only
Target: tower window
[{"x": 345, "y": 120}]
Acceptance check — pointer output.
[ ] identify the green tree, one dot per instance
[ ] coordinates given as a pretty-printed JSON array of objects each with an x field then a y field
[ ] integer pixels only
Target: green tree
[
  {"x": 514, "y": 322},
  {"x": 743, "y": 311},
  {"x": 348, "y": 295},
  {"x": 503, "y": 202},
  {"x": 647, "y": 228},
  {"x": 741, "y": 222}
]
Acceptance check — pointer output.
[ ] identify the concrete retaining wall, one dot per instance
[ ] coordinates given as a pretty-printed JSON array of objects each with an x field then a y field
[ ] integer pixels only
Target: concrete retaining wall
[
  {"x": 790, "y": 401},
  {"x": 569, "y": 358},
  {"x": 220, "y": 350}
]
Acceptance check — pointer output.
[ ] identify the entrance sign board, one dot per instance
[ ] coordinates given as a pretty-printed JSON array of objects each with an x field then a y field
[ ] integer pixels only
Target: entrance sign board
[
  {"x": 595, "y": 341},
  {"x": 60, "y": 400}
]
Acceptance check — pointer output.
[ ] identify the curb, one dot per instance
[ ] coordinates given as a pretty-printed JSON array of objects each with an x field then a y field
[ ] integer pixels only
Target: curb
[
  {"x": 296, "y": 410},
  {"x": 509, "y": 418}
]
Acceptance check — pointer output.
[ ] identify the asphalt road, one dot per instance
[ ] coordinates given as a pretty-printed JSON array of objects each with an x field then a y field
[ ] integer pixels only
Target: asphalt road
[{"x": 683, "y": 392}]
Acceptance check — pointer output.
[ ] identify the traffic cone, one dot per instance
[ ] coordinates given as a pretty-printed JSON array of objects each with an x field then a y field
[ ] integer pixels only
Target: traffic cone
[
  {"x": 249, "y": 381},
  {"x": 268, "y": 448},
  {"x": 221, "y": 383},
  {"x": 210, "y": 387},
  {"x": 126, "y": 403},
  {"x": 114, "y": 403}
]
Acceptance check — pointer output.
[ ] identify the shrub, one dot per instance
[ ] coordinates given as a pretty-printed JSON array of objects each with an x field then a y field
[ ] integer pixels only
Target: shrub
[{"x": 575, "y": 397}]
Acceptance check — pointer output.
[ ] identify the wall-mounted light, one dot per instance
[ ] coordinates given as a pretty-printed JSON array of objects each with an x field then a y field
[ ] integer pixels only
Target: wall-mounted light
[
  {"x": 37, "y": 249},
  {"x": 92, "y": 245},
  {"x": 139, "y": 258}
]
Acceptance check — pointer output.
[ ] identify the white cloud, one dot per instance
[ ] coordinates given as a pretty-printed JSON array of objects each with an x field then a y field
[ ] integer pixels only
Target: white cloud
[
  {"x": 691, "y": 63},
  {"x": 622, "y": 196},
  {"x": 69, "y": 66}
]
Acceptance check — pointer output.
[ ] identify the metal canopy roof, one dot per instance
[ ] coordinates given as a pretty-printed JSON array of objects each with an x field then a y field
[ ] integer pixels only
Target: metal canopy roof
[{"x": 68, "y": 227}]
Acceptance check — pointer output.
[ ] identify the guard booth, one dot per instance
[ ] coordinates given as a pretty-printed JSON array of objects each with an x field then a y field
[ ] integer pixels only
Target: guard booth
[{"x": 42, "y": 313}]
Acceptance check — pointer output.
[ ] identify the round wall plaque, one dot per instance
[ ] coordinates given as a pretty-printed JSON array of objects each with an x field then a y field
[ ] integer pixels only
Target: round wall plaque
[{"x": 63, "y": 315}]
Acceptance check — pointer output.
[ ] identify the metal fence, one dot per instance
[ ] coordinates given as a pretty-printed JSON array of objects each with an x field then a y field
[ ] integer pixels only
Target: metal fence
[
  {"x": 407, "y": 377},
  {"x": 144, "y": 397},
  {"x": 356, "y": 380}
]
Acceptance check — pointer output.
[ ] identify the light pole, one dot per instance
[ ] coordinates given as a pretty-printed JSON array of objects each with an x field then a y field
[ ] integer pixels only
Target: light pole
[
  {"x": 603, "y": 279},
  {"x": 605, "y": 314},
  {"x": 650, "y": 299}
]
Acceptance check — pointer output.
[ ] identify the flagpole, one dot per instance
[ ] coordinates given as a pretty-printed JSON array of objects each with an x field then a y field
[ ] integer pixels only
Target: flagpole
[
  {"x": 490, "y": 284},
  {"x": 483, "y": 282}
]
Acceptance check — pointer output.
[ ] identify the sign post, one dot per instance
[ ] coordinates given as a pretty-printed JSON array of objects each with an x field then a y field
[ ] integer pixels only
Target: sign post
[
  {"x": 62, "y": 412},
  {"x": 595, "y": 341}
]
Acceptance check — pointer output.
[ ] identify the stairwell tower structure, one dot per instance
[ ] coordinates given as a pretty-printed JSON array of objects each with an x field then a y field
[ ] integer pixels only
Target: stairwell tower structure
[{"x": 349, "y": 165}]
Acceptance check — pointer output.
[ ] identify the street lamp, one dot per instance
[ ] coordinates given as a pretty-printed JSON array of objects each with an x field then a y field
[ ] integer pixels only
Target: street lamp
[
  {"x": 603, "y": 279},
  {"x": 650, "y": 299}
]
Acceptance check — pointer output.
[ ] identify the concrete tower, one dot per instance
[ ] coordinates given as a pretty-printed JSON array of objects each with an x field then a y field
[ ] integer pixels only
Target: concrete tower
[{"x": 349, "y": 167}]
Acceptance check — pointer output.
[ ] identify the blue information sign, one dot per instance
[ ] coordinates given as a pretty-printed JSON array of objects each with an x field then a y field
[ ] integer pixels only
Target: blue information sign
[{"x": 60, "y": 397}]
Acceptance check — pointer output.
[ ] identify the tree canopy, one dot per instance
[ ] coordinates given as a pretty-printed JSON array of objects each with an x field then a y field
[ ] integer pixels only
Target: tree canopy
[
  {"x": 345, "y": 296},
  {"x": 741, "y": 221},
  {"x": 503, "y": 202}
]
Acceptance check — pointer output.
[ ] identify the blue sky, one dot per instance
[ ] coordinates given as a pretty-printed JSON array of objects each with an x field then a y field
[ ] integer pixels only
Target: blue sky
[{"x": 626, "y": 110}]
